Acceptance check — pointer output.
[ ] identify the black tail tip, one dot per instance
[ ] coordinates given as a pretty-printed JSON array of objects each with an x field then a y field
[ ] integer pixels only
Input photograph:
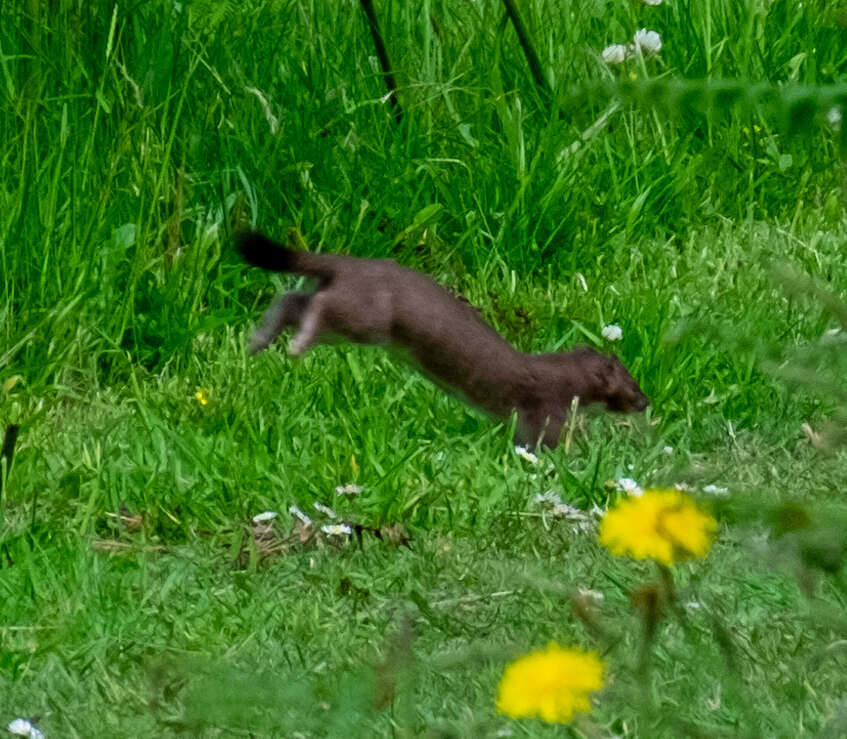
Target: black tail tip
[{"x": 260, "y": 251}]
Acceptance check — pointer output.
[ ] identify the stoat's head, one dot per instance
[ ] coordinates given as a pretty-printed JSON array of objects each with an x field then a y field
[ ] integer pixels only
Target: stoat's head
[{"x": 610, "y": 381}]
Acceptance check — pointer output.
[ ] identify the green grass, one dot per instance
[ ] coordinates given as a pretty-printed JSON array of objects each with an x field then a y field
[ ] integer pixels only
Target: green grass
[{"x": 136, "y": 598}]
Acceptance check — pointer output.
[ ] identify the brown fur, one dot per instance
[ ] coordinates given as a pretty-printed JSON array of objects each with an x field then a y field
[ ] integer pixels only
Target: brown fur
[{"x": 377, "y": 301}]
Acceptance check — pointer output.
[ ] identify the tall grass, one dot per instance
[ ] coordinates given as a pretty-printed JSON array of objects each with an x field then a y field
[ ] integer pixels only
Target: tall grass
[{"x": 135, "y": 140}]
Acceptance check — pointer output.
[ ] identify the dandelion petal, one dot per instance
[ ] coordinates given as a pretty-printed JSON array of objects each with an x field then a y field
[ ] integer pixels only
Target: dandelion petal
[
  {"x": 663, "y": 525},
  {"x": 551, "y": 684}
]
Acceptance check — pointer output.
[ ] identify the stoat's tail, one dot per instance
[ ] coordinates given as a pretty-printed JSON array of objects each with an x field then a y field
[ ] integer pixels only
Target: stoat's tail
[{"x": 260, "y": 251}]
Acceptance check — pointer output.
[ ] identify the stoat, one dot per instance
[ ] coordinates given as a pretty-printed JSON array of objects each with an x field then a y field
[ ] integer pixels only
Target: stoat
[{"x": 377, "y": 301}]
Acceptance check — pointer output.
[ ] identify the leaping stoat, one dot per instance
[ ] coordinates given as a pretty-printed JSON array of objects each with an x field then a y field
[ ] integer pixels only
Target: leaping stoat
[{"x": 377, "y": 301}]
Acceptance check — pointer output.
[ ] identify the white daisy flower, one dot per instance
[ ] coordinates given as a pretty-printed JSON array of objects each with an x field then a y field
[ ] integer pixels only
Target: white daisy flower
[
  {"x": 337, "y": 529},
  {"x": 576, "y": 516},
  {"x": 615, "y": 54},
  {"x": 23, "y": 727},
  {"x": 647, "y": 42},
  {"x": 833, "y": 118},
  {"x": 667, "y": 450},
  {"x": 715, "y": 490},
  {"x": 325, "y": 509},
  {"x": 266, "y": 516},
  {"x": 630, "y": 487},
  {"x": 304, "y": 519},
  {"x": 349, "y": 489},
  {"x": 653, "y": 2},
  {"x": 572, "y": 513},
  {"x": 612, "y": 332},
  {"x": 524, "y": 452},
  {"x": 550, "y": 496}
]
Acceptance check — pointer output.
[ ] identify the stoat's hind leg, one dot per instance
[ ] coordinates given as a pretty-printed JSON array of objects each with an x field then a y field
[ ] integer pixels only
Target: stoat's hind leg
[
  {"x": 310, "y": 325},
  {"x": 286, "y": 311}
]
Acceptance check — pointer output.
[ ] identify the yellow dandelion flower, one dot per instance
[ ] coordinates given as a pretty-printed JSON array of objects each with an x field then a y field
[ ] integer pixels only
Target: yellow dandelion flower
[
  {"x": 551, "y": 684},
  {"x": 664, "y": 525},
  {"x": 203, "y": 396}
]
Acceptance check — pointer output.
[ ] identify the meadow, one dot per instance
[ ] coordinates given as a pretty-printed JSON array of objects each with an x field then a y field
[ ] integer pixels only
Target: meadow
[{"x": 694, "y": 196}]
